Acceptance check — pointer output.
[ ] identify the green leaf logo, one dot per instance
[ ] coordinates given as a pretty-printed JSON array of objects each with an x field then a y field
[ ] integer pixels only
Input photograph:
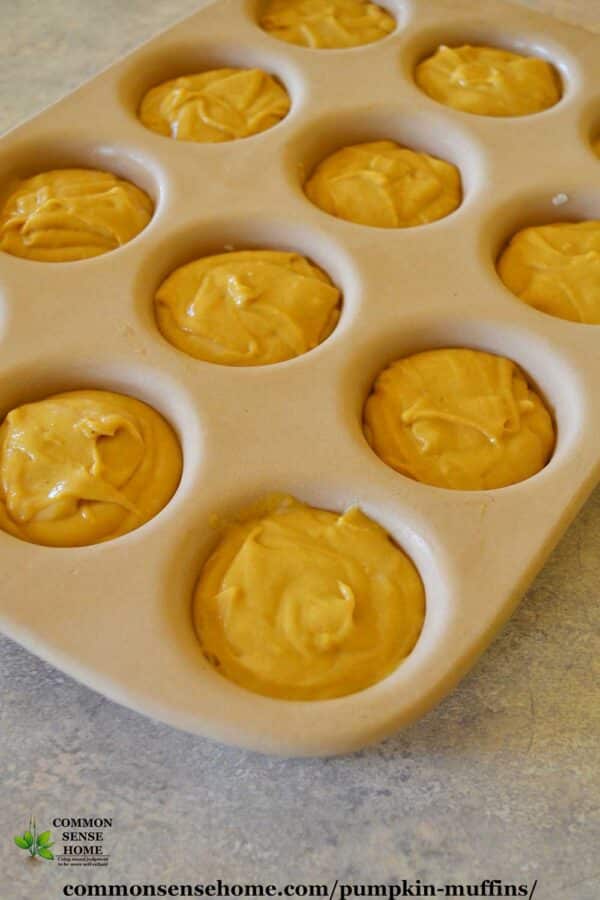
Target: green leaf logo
[{"x": 35, "y": 844}]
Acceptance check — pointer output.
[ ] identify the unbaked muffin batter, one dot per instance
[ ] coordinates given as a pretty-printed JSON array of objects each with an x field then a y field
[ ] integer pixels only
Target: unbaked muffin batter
[
  {"x": 385, "y": 185},
  {"x": 461, "y": 419},
  {"x": 211, "y": 107},
  {"x": 556, "y": 269},
  {"x": 489, "y": 81},
  {"x": 247, "y": 308},
  {"x": 83, "y": 467},
  {"x": 304, "y": 604},
  {"x": 326, "y": 24},
  {"x": 71, "y": 214}
]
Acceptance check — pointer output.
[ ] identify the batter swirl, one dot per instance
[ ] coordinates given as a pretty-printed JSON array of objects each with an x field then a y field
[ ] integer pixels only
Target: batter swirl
[
  {"x": 385, "y": 185},
  {"x": 327, "y": 24},
  {"x": 460, "y": 419},
  {"x": 216, "y": 106},
  {"x": 247, "y": 308},
  {"x": 304, "y": 604},
  {"x": 556, "y": 269},
  {"x": 83, "y": 467},
  {"x": 72, "y": 214},
  {"x": 489, "y": 81}
]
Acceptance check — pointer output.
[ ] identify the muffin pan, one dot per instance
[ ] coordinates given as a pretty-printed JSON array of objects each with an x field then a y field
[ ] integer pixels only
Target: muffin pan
[{"x": 117, "y": 615}]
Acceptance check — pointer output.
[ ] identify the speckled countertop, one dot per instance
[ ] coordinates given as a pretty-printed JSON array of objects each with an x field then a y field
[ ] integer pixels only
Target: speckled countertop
[{"x": 500, "y": 781}]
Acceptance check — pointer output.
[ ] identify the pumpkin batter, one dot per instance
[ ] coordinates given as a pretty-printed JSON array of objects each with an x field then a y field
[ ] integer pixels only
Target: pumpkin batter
[
  {"x": 247, "y": 308},
  {"x": 331, "y": 25},
  {"x": 83, "y": 467},
  {"x": 489, "y": 81},
  {"x": 385, "y": 185},
  {"x": 460, "y": 419},
  {"x": 220, "y": 105},
  {"x": 304, "y": 604},
  {"x": 70, "y": 214},
  {"x": 556, "y": 269}
]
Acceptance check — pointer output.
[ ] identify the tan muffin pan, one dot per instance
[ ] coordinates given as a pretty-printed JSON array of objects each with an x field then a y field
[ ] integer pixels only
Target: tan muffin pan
[{"x": 117, "y": 615}]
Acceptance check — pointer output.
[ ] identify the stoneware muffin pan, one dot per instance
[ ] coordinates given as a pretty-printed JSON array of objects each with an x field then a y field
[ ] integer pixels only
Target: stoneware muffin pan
[{"x": 117, "y": 615}]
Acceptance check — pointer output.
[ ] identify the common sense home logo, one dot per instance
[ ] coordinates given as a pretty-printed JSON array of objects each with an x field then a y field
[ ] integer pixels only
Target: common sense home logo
[
  {"x": 82, "y": 841},
  {"x": 35, "y": 844}
]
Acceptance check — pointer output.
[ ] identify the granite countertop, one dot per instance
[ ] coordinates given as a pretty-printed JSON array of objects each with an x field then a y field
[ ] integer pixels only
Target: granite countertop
[{"x": 500, "y": 781}]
